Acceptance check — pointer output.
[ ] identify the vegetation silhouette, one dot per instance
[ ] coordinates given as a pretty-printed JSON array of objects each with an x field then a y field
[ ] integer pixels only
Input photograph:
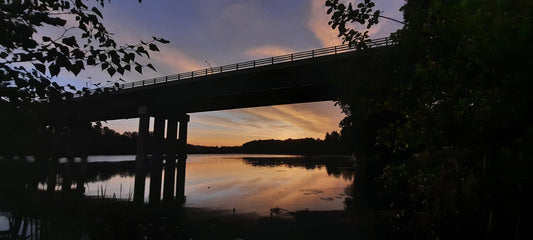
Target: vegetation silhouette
[
  {"x": 335, "y": 165},
  {"x": 441, "y": 126},
  {"x": 454, "y": 153},
  {"x": 106, "y": 141}
]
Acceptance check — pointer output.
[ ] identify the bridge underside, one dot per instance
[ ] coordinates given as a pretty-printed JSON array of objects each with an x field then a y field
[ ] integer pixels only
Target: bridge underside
[{"x": 302, "y": 81}]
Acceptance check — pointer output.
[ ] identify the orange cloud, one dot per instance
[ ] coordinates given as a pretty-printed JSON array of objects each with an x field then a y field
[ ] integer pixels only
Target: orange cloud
[
  {"x": 175, "y": 61},
  {"x": 318, "y": 23},
  {"x": 234, "y": 127}
]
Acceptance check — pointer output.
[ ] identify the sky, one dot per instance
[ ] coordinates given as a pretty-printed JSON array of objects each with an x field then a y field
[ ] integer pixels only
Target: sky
[{"x": 220, "y": 32}]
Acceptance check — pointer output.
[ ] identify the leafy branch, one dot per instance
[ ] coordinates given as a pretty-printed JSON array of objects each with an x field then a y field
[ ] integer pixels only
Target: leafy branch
[
  {"x": 363, "y": 14},
  {"x": 83, "y": 41}
]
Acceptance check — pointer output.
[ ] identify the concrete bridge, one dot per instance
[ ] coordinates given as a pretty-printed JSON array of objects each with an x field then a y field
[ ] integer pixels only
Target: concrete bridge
[{"x": 293, "y": 78}]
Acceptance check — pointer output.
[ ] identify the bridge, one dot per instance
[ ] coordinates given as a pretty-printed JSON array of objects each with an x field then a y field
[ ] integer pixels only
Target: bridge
[{"x": 292, "y": 78}]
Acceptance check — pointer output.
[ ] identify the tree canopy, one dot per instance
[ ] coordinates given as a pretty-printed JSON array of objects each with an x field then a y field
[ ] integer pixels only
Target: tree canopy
[{"x": 460, "y": 93}]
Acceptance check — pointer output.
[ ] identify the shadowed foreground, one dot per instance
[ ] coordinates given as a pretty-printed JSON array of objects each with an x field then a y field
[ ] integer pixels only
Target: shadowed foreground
[{"x": 71, "y": 217}]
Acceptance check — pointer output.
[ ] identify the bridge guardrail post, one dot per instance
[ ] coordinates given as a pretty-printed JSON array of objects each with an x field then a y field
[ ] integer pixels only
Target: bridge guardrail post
[
  {"x": 335, "y": 49},
  {"x": 313, "y": 53}
]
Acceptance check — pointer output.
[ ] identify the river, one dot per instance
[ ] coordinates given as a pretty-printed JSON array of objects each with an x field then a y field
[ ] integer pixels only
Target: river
[{"x": 247, "y": 182}]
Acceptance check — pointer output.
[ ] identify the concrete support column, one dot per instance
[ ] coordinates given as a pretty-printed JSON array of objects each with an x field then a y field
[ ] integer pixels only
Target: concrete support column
[
  {"x": 68, "y": 167},
  {"x": 182, "y": 159},
  {"x": 52, "y": 174},
  {"x": 170, "y": 163},
  {"x": 157, "y": 161},
  {"x": 67, "y": 174},
  {"x": 83, "y": 135},
  {"x": 140, "y": 160}
]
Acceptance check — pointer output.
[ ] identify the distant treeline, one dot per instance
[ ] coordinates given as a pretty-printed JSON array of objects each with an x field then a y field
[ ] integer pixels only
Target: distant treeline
[{"x": 106, "y": 141}]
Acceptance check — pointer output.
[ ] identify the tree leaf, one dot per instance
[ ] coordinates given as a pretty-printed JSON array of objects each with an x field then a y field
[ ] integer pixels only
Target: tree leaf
[
  {"x": 70, "y": 41},
  {"x": 139, "y": 69},
  {"x": 40, "y": 67},
  {"x": 105, "y": 65},
  {"x": 95, "y": 10},
  {"x": 150, "y": 66},
  {"x": 77, "y": 67},
  {"x": 153, "y": 47},
  {"x": 54, "y": 69},
  {"x": 111, "y": 71},
  {"x": 21, "y": 83},
  {"x": 91, "y": 61},
  {"x": 161, "y": 40}
]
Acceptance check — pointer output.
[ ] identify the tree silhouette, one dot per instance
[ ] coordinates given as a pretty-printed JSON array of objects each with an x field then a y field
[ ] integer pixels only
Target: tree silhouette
[
  {"x": 459, "y": 88},
  {"x": 30, "y": 58}
]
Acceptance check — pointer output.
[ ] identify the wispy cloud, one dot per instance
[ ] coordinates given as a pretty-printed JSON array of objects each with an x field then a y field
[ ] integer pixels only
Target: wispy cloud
[
  {"x": 275, "y": 122},
  {"x": 268, "y": 51},
  {"x": 174, "y": 61},
  {"x": 318, "y": 23}
]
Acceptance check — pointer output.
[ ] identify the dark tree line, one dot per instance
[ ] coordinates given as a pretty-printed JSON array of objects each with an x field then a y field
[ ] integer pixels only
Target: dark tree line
[{"x": 106, "y": 141}]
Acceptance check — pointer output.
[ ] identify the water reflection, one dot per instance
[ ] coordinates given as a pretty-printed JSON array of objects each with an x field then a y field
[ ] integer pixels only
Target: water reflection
[
  {"x": 340, "y": 166},
  {"x": 257, "y": 183},
  {"x": 244, "y": 184}
]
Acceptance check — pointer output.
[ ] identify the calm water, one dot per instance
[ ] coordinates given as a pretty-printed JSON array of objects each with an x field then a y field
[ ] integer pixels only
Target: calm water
[{"x": 246, "y": 182}]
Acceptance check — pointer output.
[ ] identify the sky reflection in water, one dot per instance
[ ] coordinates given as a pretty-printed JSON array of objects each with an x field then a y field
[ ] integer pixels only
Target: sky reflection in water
[{"x": 249, "y": 182}]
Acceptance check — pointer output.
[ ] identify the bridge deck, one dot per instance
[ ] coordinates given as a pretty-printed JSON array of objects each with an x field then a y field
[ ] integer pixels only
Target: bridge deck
[{"x": 282, "y": 81}]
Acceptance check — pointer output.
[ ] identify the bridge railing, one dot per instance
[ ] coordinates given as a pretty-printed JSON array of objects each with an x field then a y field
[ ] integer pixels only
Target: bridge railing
[{"x": 373, "y": 43}]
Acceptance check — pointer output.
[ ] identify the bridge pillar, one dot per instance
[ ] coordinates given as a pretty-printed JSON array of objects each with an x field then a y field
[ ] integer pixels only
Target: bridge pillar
[
  {"x": 157, "y": 161},
  {"x": 182, "y": 159},
  {"x": 81, "y": 131},
  {"x": 51, "y": 181},
  {"x": 170, "y": 163},
  {"x": 140, "y": 160},
  {"x": 71, "y": 130}
]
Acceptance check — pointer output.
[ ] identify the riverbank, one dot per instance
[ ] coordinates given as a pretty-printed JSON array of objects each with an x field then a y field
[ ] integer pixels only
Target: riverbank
[{"x": 71, "y": 217}]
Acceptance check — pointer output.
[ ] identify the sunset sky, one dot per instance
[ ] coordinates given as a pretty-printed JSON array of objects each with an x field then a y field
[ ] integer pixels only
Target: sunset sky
[{"x": 224, "y": 32}]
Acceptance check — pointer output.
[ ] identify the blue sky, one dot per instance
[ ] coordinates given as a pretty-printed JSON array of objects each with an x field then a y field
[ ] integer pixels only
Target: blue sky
[{"x": 223, "y": 32}]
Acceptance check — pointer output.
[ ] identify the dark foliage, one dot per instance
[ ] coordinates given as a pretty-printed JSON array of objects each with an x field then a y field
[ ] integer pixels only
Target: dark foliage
[
  {"x": 39, "y": 40},
  {"x": 460, "y": 93}
]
